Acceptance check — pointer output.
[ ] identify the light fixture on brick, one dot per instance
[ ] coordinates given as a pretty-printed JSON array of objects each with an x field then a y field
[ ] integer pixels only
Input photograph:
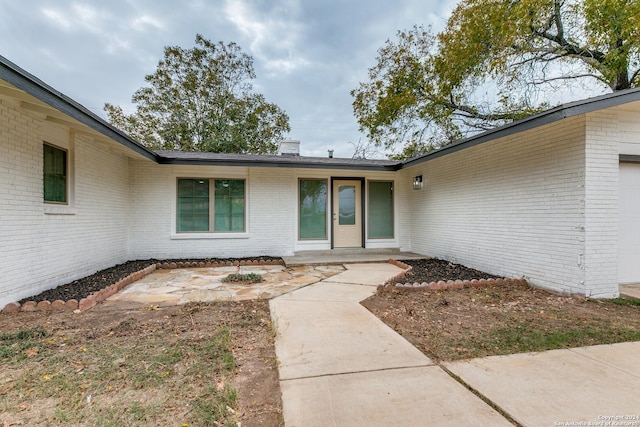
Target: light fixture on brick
[{"x": 417, "y": 182}]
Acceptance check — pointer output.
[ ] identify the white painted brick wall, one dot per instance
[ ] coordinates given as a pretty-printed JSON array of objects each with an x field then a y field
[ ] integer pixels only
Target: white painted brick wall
[
  {"x": 629, "y": 128},
  {"x": 40, "y": 251},
  {"x": 512, "y": 207},
  {"x": 601, "y": 204},
  {"x": 270, "y": 207}
]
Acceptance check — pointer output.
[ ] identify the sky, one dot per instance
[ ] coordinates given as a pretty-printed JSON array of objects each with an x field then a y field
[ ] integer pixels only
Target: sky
[{"x": 308, "y": 54}]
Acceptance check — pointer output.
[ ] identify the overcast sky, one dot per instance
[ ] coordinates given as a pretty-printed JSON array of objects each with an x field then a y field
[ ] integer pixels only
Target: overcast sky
[{"x": 308, "y": 54}]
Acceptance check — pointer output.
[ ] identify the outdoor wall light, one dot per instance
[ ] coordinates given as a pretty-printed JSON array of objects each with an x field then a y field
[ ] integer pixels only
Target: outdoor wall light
[{"x": 417, "y": 182}]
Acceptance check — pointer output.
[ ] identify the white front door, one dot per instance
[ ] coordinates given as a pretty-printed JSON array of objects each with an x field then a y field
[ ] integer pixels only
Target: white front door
[{"x": 347, "y": 214}]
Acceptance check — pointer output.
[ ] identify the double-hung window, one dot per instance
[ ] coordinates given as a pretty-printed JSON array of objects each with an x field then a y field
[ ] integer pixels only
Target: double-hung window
[
  {"x": 209, "y": 205},
  {"x": 55, "y": 174}
]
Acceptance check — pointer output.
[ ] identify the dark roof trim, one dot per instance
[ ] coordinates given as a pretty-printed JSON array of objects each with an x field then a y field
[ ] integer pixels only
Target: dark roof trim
[
  {"x": 558, "y": 113},
  {"x": 35, "y": 87},
  {"x": 275, "y": 162},
  {"x": 30, "y": 84},
  {"x": 629, "y": 158}
]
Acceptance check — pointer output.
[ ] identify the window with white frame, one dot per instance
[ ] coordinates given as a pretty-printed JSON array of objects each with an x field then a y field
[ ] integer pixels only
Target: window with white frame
[{"x": 208, "y": 205}]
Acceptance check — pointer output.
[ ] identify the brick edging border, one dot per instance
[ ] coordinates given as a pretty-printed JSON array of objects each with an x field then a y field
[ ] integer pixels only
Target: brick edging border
[
  {"x": 449, "y": 284},
  {"x": 101, "y": 295}
]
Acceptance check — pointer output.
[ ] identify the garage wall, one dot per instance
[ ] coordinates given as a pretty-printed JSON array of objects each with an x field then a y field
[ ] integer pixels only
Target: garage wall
[
  {"x": 629, "y": 237},
  {"x": 512, "y": 207},
  {"x": 46, "y": 245},
  {"x": 629, "y": 126}
]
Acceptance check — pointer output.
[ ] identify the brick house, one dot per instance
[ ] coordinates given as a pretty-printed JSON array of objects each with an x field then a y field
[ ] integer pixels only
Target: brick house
[{"x": 553, "y": 198}]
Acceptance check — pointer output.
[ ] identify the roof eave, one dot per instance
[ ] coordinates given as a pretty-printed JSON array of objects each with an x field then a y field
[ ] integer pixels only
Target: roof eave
[
  {"x": 35, "y": 87},
  {"x": 275, "y": 164},
  {"x": 546, "y": 117}
]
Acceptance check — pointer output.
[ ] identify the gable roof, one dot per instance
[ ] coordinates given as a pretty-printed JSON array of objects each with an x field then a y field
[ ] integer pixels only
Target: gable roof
[
  {"x": 35, "y": 87},
  {"x": 545, "y": 117}
]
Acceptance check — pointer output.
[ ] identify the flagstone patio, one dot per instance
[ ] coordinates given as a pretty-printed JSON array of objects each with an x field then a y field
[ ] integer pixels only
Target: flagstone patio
[{"x": 183, "y": 285}]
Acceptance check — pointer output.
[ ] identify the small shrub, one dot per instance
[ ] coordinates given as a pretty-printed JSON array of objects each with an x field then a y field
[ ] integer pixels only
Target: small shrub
[{"x": 243, "y": 278}]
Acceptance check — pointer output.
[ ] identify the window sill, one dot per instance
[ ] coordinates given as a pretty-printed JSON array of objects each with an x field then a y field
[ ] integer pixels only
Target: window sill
[
  {"x": 59, "y": 210},
  {"x": 201, "y": 236}
]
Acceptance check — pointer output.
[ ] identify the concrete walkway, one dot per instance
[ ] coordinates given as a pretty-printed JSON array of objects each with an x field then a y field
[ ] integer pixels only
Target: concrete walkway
[
  {"x": 573, "y": 387},
  {"x": 341, "y": 366},
  {"x": 347, "y": 256}
]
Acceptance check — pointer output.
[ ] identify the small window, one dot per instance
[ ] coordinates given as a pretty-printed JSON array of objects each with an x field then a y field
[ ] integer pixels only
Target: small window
[
  {"x": 210, "y": 205},
  {"x": 312, "y": 209},
  {"x": 380, "y": 210},
  {"x": 55, "y": 174}
]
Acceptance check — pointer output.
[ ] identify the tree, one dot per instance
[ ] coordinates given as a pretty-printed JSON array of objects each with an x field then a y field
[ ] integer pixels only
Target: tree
[
  {"x": 364, "y": 150},
  {"x": 201, "y": 99},
  {"x": 495, "y": 62}
]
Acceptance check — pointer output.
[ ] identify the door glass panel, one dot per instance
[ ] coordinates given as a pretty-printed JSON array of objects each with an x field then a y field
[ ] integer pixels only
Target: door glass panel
[
  {"x": 313, "y": 209},
  {"x": 346, "y": 205},
  {"x": 380, "y": 210}
]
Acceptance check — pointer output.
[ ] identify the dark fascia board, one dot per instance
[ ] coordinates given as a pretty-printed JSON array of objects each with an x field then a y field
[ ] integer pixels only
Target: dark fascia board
[
  {"x": 35, "y": 87},
  {"x": 554, "y": 114},
  {"x": 629, "y": 158},
  {"x": 274, "y": 163}
]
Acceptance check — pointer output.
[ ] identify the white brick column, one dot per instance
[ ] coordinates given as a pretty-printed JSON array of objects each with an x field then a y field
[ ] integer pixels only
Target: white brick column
[{"x": 601, "y": 206}]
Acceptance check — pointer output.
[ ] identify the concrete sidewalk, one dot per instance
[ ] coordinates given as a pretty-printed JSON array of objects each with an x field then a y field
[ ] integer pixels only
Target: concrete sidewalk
[
  {"x": 580, "y": 386},
  {"x": 341, "y": 366}
]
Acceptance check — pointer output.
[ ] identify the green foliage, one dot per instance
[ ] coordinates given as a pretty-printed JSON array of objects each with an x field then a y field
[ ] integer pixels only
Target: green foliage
[
  {"x": 626, "y": 301},
  {"x": 245, "y": 278},
  {"x": 201, "y": 99},
  {"x": 495, "y": 62}
]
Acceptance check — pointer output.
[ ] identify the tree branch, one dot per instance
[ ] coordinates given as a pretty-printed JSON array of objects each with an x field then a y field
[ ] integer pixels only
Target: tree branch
[
  {"x": 572, "y": 77},
  {"x": 634, "y": 76},
  {"x": 472, "y": 113}
]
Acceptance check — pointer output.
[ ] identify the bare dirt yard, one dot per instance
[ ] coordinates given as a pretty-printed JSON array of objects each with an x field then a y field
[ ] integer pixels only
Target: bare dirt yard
[
  {"x": 191, "y": 365},
  {"x": 214, "y": 364},
  {"x": 491, "y": 320}
]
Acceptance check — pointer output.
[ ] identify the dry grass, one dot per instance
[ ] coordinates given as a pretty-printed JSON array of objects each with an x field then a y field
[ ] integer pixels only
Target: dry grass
[
  {"x": 493, "y": 320},
  {"x": 155, "y": 367}
]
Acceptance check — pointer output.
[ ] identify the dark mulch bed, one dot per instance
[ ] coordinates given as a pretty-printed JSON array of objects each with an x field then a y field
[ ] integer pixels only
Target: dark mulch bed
[
  {"x": 83, "y": 287},
  {"x": 434, "y": 270}
]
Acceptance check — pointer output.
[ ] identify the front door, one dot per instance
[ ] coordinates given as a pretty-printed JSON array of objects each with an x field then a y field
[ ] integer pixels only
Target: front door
[{"x": 347, "y": 214}]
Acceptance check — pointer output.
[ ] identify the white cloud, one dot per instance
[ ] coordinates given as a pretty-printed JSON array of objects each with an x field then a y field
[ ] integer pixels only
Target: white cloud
[
  {"x": 102, "y": 24},
  {"x": 273, "y": 34},
  {"x": 57, "y": 18},
  {"x": 142, "y": 22}
]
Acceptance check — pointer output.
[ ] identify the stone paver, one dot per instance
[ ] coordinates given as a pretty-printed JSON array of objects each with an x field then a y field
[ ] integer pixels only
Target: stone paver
[{"x": 179, "y": 286}]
